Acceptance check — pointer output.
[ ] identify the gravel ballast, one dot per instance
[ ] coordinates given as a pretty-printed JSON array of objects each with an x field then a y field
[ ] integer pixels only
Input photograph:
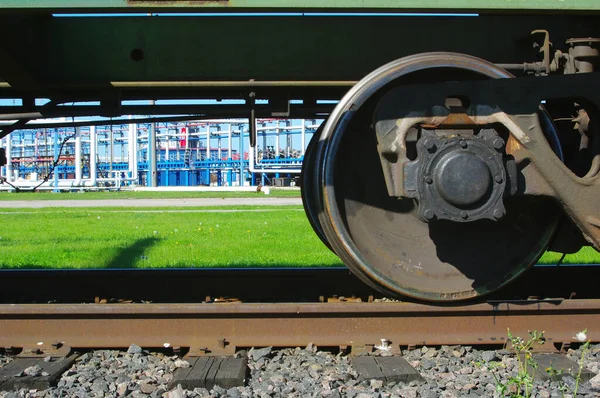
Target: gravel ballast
[{"x": 457, "y": 371}]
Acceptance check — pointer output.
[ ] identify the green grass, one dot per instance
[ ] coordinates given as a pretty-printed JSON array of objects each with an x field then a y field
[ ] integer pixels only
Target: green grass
[
  {"x": 129, "y": 237},
  {"x": 109, "y": 238},
  {"x": 587, "y": 255},
  {"x": 278, "y": 193}
]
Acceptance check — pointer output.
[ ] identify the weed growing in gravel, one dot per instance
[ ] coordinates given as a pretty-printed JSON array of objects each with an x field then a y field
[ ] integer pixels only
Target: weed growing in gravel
[
  {"x": 521, "y": 384},
  {"x": 582, "y": 338}
]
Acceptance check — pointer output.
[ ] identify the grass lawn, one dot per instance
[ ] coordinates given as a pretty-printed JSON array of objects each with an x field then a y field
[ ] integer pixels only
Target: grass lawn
[
  {"x": 118, "y": 238},
  {"x": 587, "y": 255},
  {"x": 242, "y": 236},
  {"x": 278, "y": 193}
]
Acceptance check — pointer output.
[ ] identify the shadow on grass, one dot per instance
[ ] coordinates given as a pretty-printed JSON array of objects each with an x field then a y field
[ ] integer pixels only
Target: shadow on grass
[{"x": 132, "y": 256}]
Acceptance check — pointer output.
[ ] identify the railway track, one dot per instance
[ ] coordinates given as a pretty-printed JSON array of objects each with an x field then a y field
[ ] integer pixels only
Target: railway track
[
  {"x": 215, "y": 339},
  {"x": 326, "y": 308},
  {"x": 224, "y": 328}
]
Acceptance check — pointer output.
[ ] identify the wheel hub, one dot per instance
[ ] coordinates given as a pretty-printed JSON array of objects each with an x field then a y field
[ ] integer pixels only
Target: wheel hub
[{"x": 461, "y": 177}]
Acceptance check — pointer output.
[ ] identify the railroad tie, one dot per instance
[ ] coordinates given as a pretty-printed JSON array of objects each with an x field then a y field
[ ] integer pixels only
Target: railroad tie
[
  {"x": 387, "y": 369},
  {"x": 34, "y": 373},
  {"x": 562, "y": 365},
  {"x": 209, "y": 371}
]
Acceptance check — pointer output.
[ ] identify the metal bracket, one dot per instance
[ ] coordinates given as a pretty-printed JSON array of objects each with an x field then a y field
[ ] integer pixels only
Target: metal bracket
[
  {"x": 55, "y": 350},
  {"x": 281, "y": 113},
  {"x": 340, "y": 299},
  {"x": 220, "y": 347},
  {"x": 366, "y": 349},
  {"x": 545, "y": 48}
]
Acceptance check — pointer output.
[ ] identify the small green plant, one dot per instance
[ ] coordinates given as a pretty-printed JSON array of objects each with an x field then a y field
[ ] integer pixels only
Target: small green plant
[
  {"x": 582, "y": 338},
  {"x": 555, "y": 374},
  {"x": 521, "y": 384}
]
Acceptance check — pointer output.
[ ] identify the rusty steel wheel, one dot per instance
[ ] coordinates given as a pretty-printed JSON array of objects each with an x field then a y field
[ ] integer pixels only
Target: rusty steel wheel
[
  {"x": 384, "y": 240},
  {"x": 311, "y": 194}
]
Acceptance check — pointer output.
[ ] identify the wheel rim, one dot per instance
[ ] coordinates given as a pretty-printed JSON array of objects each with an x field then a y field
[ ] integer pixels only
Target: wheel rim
[
  {"x": 309, "y": 189},
  {"x": 381, "y": 239}
]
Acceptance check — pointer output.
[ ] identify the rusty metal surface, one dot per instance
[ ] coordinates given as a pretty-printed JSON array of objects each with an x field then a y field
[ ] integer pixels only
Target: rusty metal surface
[{"x": 326, "y": 324}]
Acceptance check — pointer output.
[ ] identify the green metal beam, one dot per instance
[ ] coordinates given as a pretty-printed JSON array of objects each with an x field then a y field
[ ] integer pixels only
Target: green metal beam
[
  {"x": 300, "y": 5},
  {"x": 129, "y": 53}
]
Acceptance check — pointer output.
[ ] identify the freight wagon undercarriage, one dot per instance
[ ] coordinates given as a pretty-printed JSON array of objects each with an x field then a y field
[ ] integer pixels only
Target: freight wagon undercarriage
[{"x": 461, "y": 148}]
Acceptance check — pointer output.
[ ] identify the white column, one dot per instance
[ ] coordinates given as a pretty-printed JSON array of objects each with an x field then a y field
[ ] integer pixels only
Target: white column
[
  {"x": 153, "y": 178},
  {"x": 93, "y": 155},
  {"x": 167, "y": 145},
  {"x": 2, "y": 168},
  {"x": 229, "y": 141},
  {"x": 303, "y": 136},
  {"x": 9, "y": 173},
  {"x": 36, "y": 147},
  {"x": 277, "y": 141},
  {"x": 134, "y": 145},
  {"x": 208, "y": 142},
  {"x": 131, "y": 147},
  {"x": 77, "y": 155}
]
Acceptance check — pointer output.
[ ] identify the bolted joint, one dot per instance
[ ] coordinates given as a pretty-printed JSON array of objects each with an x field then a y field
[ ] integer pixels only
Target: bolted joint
[
  {"x": 429, "y": 144},
  {"x": 465, "y": 179},
  {"x": 429, "y": 215},
  {"x": 498, "y": 144}
]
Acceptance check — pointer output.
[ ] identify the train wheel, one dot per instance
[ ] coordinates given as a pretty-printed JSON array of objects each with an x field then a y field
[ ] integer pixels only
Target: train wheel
[
  {"x": 388, "y": 241},
  {"x": 311, "y": 194}
]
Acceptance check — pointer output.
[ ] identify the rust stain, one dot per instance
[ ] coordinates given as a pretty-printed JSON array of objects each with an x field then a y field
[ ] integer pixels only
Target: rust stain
[
  {"x": 513, "y": 145},
  {"x": 459, "y": 119}
]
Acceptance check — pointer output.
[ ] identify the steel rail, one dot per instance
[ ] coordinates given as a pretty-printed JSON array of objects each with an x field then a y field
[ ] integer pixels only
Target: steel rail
[{"x": 236, "y": 325}]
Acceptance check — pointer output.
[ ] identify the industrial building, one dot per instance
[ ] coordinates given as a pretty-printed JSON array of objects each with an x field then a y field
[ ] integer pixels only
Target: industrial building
[{"x": 192, "y": 153}]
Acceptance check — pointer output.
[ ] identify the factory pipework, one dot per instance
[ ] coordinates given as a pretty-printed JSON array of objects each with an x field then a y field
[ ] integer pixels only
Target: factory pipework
[{"x": 33, "y": 154}]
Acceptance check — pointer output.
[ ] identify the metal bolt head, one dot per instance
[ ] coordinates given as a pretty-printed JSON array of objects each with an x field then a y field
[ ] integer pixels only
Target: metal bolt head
[
  {"x": 428, "y": 180},
  {"x": 429, "y": 214},
  {"x": 464, "y": 215},
  {"x": 498, "y": 178},
  {"x": 498, "y": 143},
  {"x": 498, "y": 214},
  {"x": 429, "y": 145},
  {"x": 463, "y": 143}
]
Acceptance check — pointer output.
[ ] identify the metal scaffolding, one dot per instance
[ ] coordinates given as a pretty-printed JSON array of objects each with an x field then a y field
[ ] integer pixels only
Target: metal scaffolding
[{"x": 203, "y": 153}]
